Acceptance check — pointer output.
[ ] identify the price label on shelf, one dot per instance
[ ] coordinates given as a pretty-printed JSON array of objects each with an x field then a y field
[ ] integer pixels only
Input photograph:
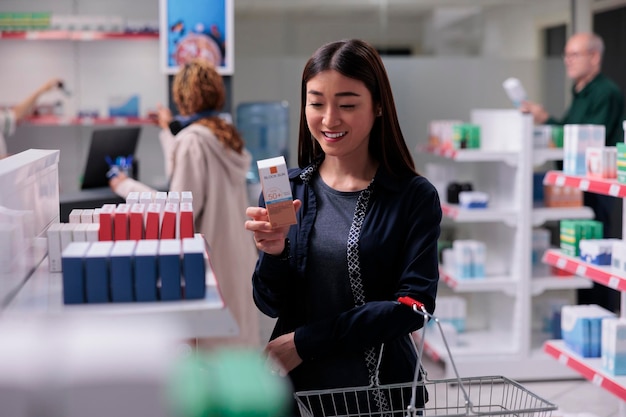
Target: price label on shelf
[
  {"x": 597, "y": 379},
  {"x": 560, "y": 181},
  {"x": 86, "y": 36},
  {"x": 120, "y": 121},
  {"x": 584, "y": 185},
  {"x": 31, "y": 35},
  {"x": 581, "y": 270},
  {"x": 561, "y": 263},
  {"x": 563, "y": 359},
  {"x": 613, "y": 282},
  {"x": 614, "y": 190}
]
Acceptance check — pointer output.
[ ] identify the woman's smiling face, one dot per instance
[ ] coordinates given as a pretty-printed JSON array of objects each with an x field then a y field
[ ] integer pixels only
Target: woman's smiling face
[{"x": 339, "y": 113}]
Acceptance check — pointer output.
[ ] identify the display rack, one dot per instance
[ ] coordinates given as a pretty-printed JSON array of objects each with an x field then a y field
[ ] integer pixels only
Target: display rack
[
  {"x": 80, "y": 35},
  {"x": 590, "y": 368},
  {"x": 87, "y": 121},
  {"x": 29, "y": 182},
  {"x": 42, "y": 296},
  {"x": 504, "y": 340}
]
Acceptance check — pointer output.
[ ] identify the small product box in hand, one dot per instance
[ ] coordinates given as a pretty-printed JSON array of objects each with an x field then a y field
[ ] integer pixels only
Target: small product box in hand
[{"x": 277, "y": 191}]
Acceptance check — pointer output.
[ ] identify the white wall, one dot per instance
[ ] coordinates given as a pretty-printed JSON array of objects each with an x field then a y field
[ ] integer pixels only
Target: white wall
[{"x": 270, "y": 52}]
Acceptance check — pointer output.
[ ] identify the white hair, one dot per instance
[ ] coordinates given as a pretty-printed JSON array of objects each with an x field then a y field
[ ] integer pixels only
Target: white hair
[{"x": 596, "y": 44}]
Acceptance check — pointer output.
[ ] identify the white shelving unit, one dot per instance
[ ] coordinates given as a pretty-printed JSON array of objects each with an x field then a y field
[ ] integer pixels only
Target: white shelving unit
[
  {"x": 499, "y": 336},
  {"x": 590, "y": 368},
  {"x": 42, "y": 297},
  {"x": 29, "y": 182},
  {"x": 99, "y": 69}
]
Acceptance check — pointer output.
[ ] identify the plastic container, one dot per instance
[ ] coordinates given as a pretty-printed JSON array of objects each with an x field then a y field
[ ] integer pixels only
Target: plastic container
[
  {"x": 515, "y": 91},
  {"x": 265, "y": 129}
]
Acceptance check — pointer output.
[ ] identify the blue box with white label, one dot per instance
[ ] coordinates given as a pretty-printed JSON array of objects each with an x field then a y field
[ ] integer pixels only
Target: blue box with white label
[
  {"x": 97, "y": 272},
  {"x": 73, "y": 264},
  {"x": 194, "y": 270},
  {"x": 145, "y": 270},
  {"x": 122, "y": 271},
  {"x": 170, "y": 269}
]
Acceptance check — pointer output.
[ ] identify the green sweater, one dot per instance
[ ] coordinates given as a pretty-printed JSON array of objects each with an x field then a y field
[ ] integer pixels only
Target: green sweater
[{"x": 599, "y": 102}]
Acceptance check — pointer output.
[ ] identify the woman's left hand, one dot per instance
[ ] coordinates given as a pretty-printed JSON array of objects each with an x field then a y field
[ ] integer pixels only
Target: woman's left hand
[{"x": 282, "y": 351}]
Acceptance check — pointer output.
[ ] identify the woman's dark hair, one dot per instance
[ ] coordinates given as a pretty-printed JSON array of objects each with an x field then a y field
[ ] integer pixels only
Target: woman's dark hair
[
  {"x": 357, "y": 59},
  {"x": 198, "y": 87}
]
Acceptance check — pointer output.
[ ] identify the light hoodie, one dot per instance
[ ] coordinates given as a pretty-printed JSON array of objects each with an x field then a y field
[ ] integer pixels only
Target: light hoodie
[{"x": 196, "y": 161}]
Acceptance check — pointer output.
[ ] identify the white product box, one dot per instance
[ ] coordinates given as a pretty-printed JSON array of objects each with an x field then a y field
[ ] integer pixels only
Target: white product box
[
  {"x": 186, "y": 197},
  {"x": 601, "y": 162},
  {"x": 173, "y": 197},
  {"x": 132, "y": 198},
  {"x": 54, "y": 247},
  {"x": 576, "y": 140},
  {"x": 515, "y": 91},
  {"x": 87, "y": 216},
  {"x": 161, "y": 198},
  {"x": 91, "y": 233},
  {"x": 75, "y": 215},
  {"x": 79, "y": 234},
  {"x": 277, "y": 191},
  {"x": 145, "y": 197}
]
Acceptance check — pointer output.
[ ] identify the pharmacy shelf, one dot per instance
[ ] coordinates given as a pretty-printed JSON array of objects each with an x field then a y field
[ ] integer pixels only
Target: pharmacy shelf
[
  {"x": 542, "y": 215},
  {"x": 467, "y": 344},
  {"x": 87, "y": 121},
  {"x": 590, "y": 368},
  {"x": 42, "y": 296},
  {"x": 479, "y": 215},
  {"x": 472, "y": 155},
  {"x": 539, "y": 285},
  {"x": 604, "y": 275},
  {"x": 505, "y": 284},
  {"x": 594, "y": 185},
  {"x": 55, "y": 35}
]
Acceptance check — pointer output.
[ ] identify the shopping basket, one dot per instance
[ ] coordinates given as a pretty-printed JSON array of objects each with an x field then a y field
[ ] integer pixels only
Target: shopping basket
[{"x": 472, "y": 396}]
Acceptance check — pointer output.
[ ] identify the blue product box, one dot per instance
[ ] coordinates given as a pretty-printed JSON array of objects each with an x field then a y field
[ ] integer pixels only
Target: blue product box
[
  {"x": 581, "y": 328},
  {"x": 170, "y": 269},
  {"x": 122, "y": 271},
  {"x": 73, "y": 264},
  {"x": 145, "y": 270},
  {"x": 97, "y": 272},
  {"x": 194, "y": 268}
]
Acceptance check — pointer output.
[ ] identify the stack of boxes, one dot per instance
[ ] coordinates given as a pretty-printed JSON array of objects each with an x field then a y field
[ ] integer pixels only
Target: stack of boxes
[
  {"x": 128, "y": 271},
  {"x": 145, "y": 249},
  {"x": 573, "y": 231},
  {"x": 466, "y": 259},
  {"x": 576, "y": 140},
  {"x": 581, "y": 328},
  {"x": 453, "y": 134}
]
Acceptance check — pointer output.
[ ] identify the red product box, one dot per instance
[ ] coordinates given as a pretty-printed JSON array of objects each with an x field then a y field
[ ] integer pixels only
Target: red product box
[
  {"x": 120, "y": 228},
  {"x": 186, "y": 220},
  {"x": 153, "y": 221},
  {"x": 105, "y": 233},
  {"x": 168, "y": 225},
  {"x": 137, "y": 212}
]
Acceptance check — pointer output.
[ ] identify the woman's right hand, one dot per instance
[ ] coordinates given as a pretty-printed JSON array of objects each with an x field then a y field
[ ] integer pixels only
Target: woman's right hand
[{"x": 267, "y": 239}]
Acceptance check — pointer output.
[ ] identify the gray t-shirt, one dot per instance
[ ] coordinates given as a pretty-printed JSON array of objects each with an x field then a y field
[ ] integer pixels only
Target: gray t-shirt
[{"x": 327, "y": 279}]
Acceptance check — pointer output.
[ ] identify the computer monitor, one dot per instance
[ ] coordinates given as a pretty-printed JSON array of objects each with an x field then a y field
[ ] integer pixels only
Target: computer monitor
[{"x": 113, "y": 142}]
